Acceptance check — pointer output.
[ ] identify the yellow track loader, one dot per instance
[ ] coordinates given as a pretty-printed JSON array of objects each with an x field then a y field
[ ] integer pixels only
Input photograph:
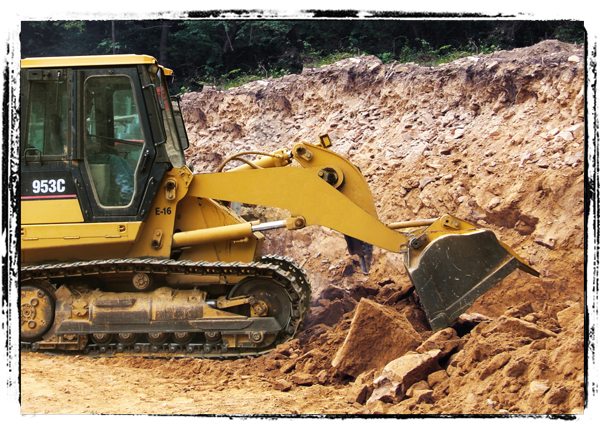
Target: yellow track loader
[{"x": 124, "y": 250}]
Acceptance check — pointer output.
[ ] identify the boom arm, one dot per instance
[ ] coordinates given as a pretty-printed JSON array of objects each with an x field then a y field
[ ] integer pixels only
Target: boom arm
[{"x": 304, "y": 193}]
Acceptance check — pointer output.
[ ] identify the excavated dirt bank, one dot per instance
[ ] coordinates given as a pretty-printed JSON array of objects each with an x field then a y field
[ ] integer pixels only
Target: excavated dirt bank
[{"x": 497, "y": 140}]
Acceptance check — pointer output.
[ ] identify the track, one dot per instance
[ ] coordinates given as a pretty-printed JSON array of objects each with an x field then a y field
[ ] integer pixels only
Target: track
[{"x": 277, "y": 282}]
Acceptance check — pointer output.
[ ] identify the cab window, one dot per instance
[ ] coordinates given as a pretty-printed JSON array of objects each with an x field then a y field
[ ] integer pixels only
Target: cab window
[
  {"x": 173, "y": 146},
  {"x": 114, "y": 138},
  {"x": 47, "y": 126}
]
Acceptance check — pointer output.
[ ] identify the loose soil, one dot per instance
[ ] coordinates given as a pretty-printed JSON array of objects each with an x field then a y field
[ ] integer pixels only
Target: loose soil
[{"x": 496, "y": 139}]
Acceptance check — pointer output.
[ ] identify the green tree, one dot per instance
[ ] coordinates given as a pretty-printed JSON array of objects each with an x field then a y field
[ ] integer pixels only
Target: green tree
[{"x": 221, "y": 51}]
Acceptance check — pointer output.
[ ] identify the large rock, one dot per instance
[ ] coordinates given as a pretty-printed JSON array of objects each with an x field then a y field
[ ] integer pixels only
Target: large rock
[
  {"x": 282, "y": 385},
  {"x": 419, "y": 386},
  {"x": 495, "y": 364},
  {"x": 520, "y": 310},
  {"x": 568, "y": 316},
  {"x": 437, "y": 377},
  {"x": 378, "y": 334},
  {"x": 362, "y": 388},
  {"x": 445, "y": 340},
  {"x": 303, "y": 379},
  {"x": 332, "y": 293},
  {"x": 400, "y": 374},
  {"x": 517, "y": 326},
  {"x": 331, "y": 315}
]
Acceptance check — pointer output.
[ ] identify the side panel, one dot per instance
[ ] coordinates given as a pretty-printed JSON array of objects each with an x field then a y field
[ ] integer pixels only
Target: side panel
[
  {"x": 71, "y": 242},
  {"x": 51, "y": 211},
  {"x": 48, "y": 196}
]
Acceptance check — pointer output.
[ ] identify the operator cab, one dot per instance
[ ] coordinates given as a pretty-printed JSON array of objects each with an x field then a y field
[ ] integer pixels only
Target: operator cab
[{"x": 97, "y": 135}]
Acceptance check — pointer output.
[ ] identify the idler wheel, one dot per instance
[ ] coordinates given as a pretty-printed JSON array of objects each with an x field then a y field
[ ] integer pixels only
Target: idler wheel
[
  {"x": 269, "y": 295},
  {"x": 37, "y": 312}
]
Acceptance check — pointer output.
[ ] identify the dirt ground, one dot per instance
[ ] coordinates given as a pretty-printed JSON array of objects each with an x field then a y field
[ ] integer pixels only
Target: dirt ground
[
  {"x": 498, "y": 369},
  {"x": 497, "y": 140},
  {"x": 162, "y": 387}
]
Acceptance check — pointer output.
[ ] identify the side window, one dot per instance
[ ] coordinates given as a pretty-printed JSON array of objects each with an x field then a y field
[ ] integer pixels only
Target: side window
[
  {"x": 114, "y": 138},
  {"x": 47, "y": 125},
  {"x": 174, "y": 150}
]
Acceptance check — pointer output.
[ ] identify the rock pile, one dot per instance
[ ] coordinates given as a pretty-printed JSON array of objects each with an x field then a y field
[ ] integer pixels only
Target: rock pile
[
  {"x": 497, "y": 140},
  {"x": 521, "y": 362}
]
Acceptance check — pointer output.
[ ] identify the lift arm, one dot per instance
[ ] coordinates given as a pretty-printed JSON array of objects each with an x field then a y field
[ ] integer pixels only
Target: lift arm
[
  {"x": 345, "y": 206},
  {"x": 304, "y": 194}
]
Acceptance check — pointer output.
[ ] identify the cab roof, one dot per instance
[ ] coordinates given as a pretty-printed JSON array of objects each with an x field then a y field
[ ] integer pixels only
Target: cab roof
[{"x": 100, "y": 60}]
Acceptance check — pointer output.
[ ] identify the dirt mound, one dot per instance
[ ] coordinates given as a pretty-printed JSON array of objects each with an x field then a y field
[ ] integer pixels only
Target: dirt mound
[{"x": 494, "y": 139}]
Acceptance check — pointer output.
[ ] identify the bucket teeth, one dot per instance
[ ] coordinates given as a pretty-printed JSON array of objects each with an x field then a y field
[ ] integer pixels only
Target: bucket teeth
[{"x": 522, "y": 265}]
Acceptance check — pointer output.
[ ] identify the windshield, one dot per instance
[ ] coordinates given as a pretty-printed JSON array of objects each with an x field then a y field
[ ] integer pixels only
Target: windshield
[{"x": 174, "y": 148}]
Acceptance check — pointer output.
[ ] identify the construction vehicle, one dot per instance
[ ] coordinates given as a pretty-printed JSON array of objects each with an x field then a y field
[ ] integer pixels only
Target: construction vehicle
[{"x": 124, "y": 250}]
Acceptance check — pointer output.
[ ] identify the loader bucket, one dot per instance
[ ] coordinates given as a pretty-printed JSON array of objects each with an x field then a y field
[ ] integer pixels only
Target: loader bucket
[{"x": 453, "y": 270}]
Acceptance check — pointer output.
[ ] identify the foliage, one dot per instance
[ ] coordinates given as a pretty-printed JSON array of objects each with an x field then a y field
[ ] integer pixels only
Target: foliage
[{"x": 232, "y": 52}]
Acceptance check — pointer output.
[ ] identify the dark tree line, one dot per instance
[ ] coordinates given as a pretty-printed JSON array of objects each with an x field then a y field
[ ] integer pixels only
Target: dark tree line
[{"x": 214, "y": 50}]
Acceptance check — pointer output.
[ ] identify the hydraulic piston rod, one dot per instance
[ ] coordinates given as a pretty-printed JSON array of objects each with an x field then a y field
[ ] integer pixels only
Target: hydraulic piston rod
[
  {"x": 269, "y": 225},
  {"x": 410, "y": 224},
  {"x": 293, "y": 223},
  {"x": 233, "y": 232},
  {"x": 213, "y": 235}
]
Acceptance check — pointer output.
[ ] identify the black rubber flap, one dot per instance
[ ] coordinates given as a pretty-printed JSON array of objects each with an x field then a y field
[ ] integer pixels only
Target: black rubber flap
[{"x": 451, "y": 272}]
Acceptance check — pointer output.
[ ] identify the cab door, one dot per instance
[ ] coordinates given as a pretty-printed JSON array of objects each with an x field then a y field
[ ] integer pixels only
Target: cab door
[{"x": 115, "y": 144}]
